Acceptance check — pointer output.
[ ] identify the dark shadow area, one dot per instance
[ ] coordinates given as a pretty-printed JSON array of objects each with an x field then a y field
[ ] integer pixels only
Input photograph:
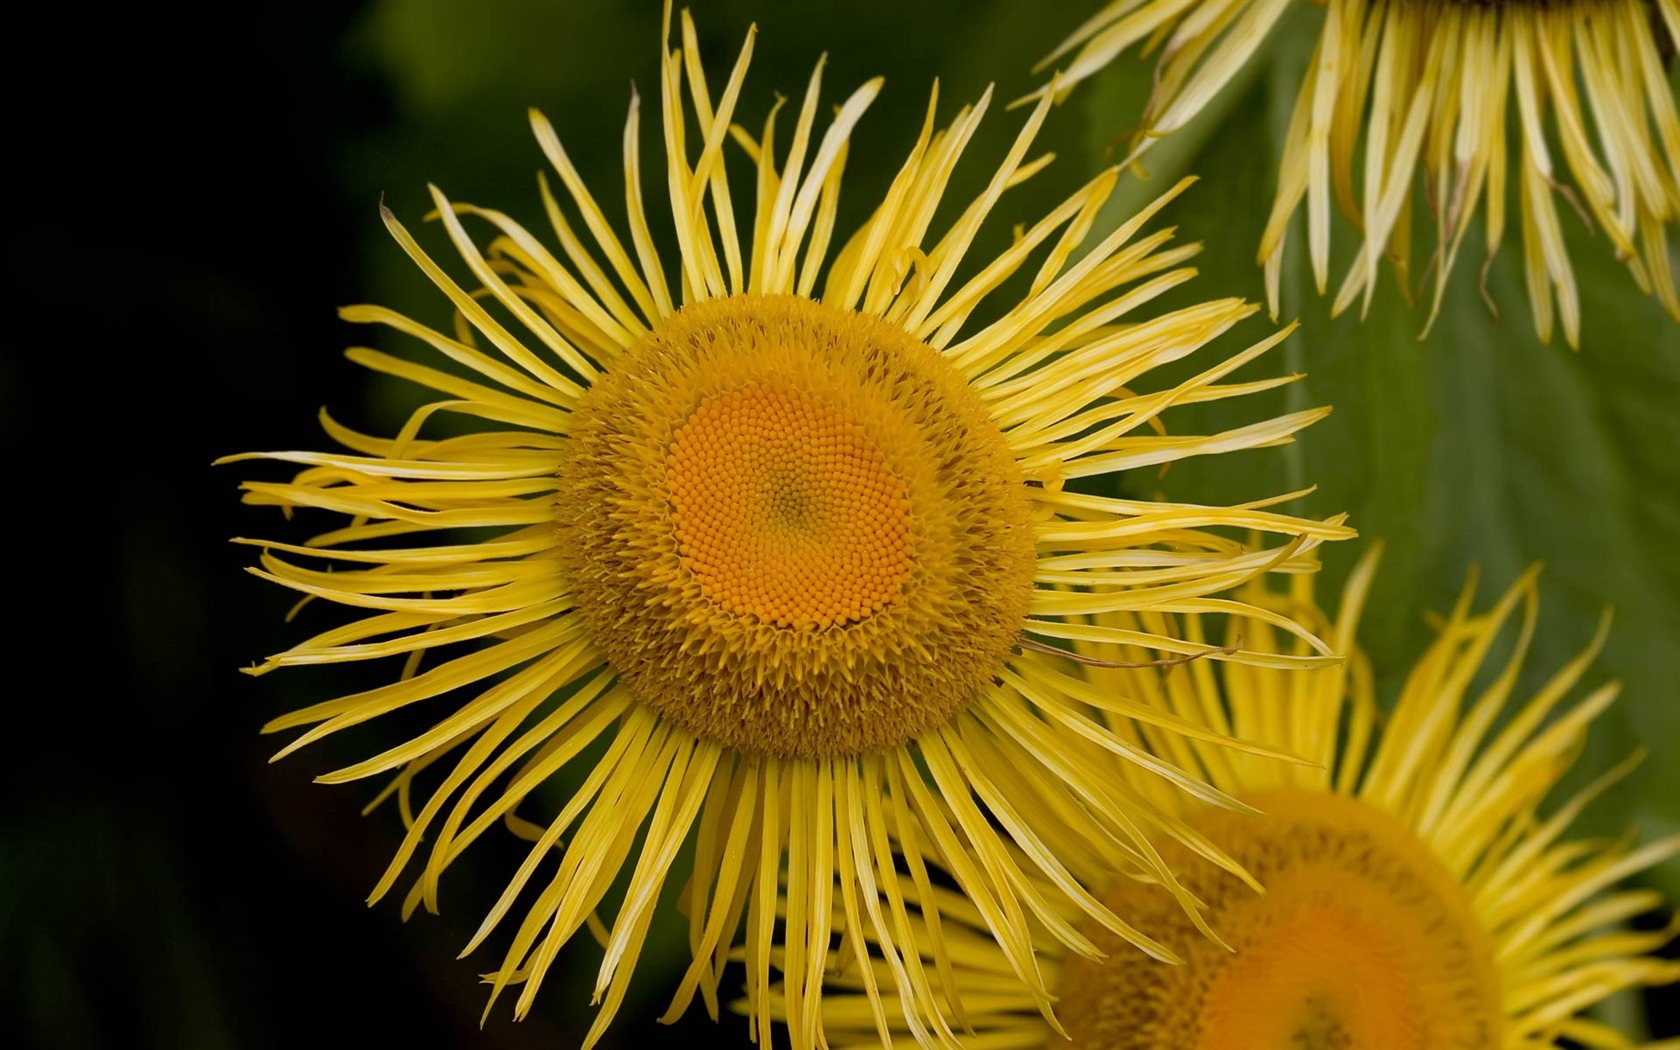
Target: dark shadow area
[{"x": 181, "y": 234}]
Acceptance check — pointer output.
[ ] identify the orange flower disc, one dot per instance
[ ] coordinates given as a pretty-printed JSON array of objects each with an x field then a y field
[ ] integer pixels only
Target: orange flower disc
[
  {"x": 785, "y": 509},
  {"x": 795, "y": 529},
  {"x": 1362, "y": 938}
]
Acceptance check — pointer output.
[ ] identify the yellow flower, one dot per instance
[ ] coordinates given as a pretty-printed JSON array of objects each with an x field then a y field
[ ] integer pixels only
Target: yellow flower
[
  {"x": 782, "y": 570},
  {"x": 1431, "y": 84},
  {"x": 1414, "y": 895}
]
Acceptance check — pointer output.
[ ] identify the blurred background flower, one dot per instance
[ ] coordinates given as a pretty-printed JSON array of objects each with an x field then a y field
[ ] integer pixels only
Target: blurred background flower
[
  {"x": 192, "y": 213},
  {"x": 1415, "y": 897},
  {"x": 1442, "y": 88}
]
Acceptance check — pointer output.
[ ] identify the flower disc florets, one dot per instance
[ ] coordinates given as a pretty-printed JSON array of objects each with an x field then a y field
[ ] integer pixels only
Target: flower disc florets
[
  {"x": 794, "y": 529},
  {"x": 1362, "y": 938}
]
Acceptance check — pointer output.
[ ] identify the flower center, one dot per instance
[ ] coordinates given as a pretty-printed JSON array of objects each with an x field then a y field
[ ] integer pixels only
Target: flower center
[
  {"x": 793, "y": 529},
  {"x": 786, "y": 510},
  {"x": 1362, "y": 938}
]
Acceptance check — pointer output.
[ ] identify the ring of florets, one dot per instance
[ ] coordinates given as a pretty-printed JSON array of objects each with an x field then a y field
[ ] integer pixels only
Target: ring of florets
[
  {"x": 794, "y": 529},
  {"x": 1362, "y": 937}
]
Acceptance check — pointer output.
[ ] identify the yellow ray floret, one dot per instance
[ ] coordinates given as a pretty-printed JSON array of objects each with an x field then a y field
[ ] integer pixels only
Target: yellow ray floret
[
  {"x": 772, "y": 548},
  {"x": 1399, "y": 87},
  {"x": 1415, "y": 895}
]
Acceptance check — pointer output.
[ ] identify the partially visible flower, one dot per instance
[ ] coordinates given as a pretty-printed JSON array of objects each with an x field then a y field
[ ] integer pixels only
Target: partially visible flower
[
  {"x": 1414, "y": 895},
  {"x": 782, "y": 569},
  {"x": 1396, "y": 86}
]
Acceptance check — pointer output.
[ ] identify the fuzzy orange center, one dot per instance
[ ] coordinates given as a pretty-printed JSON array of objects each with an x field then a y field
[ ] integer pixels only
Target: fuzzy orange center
[
  {"x": 785, "y": 510},
  {"x": 1361, "y": 939},
  {"x": 1336, "y": 969}
]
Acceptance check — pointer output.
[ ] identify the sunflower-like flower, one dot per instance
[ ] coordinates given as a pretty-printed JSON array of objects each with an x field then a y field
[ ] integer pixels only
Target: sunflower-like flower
[
  {"x": 1429, "y": 84},
  {"x": 791, "y": 569},
  {"x": 1414, "y": 896}
]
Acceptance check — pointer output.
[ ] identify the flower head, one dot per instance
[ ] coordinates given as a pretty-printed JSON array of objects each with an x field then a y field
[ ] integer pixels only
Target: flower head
[
  {"x": 1415, "y": 895},
  {"x": 1431, "y": 85},
  {"x": 790, "y": 567}
]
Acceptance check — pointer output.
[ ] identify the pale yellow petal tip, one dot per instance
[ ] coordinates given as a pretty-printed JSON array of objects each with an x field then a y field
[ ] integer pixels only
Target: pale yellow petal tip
[
  {"x": 1029, "y": 99},
  {"x": 541, "y": 126}
]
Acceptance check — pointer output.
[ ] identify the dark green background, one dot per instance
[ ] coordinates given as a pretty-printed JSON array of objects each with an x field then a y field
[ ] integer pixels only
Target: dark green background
[{"x": 193, "y": 197}]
